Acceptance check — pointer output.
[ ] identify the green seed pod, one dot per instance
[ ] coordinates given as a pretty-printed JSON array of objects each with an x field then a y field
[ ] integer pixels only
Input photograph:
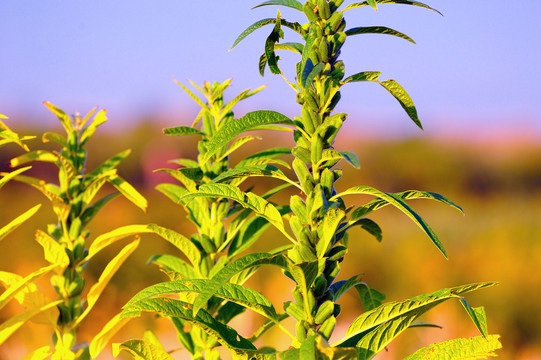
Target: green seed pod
[
  {"x": 327, "y": 328},
  {"x": 311, "y": 101},
  {"x": 300, "y": 98},
  {"x": 338, "y": 40},
  {"x": 335, "y": 20},
  {"x": 76, "y": 287},
  {"x": 320, "y": 285},
  {"x": 308, "y": 119},
  {"x": 324, "y": 9},
  {"x": 301, "y": 153},
  {"x": 323, "y": 49},
  {"x": 310, "y": 302},
  {"x": 324, "y": 312},
  {"x": 72, "y": 141},
  {"x": 308, "y": 9},
  {"x": 302, "y": 141},
  {"x": 317, "y": 148},
  {"x": 294, "y": 310},
  {"x": 327, "y": 181},
  {"x": 303, "y": 174},
  {"x": 298, "y": 227},
  {"x": 298, "y": 206},
  {"x": 297, "y": 295},
  {"x": 335, "y": 4},
  {"x": 300, "y": 330}
]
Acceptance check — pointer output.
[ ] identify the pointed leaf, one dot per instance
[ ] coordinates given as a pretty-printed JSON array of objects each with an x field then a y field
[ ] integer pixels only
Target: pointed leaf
[
  {"x": 4, "y": 231},
  {"x": 101, "y": 339},
  {"x": 182, "y": 243},
  {"x": 227, "y": 336},
  {"x": 248, "y": 122},
  {"x": 141, "y": 350},
  {"x": 54, "y": 253},
  {"x": 377, "y": 30},
  {"x": 104, "y": 240},
  {"x": 41, "y": 353},
  {"x": 370, "y": 298},
  {"x": 265, "y": 155},
  {"x": 108, "y": 165},
  {"x": 38, "y": 155},
  {"x": 5, "y": 178},
  {"x": 111, "y": 268},
  {"x": 460, "y": 349},
  {"x": 258, "y": 24},
  {"x": 237, "y": 144},
  {"x": 15, "y": 322},
  {"x": 294, "y": 4},
  {"x": 351, "y": 158},
  {"x": 129, "y": 192},
  {"x": 477, "y": 315},
  {"x": 98, "y": 120},
  {"x": 62, "y": 116},
  {"x": 193, "y": 96},
  {"x": 400, "y": 2},
  {"x": 182, "y": 131},
  {"x": 399, "y": 204}
]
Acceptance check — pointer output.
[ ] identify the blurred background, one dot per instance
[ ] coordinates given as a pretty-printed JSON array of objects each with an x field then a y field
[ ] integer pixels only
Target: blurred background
[{"x": 474, "y": 77}]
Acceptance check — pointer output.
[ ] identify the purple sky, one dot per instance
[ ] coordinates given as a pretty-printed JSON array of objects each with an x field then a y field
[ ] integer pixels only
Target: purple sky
[{"x": 474, "y": 70}]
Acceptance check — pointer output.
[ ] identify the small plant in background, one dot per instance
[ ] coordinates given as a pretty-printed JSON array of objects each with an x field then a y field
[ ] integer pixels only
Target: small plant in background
[
  {"x": 319, "y": 218},
  {"x": 66, "y": 244}
]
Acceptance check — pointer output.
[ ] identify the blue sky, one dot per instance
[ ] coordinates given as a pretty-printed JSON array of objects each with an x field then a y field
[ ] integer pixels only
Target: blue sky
[{"x": 474, "y": 70}]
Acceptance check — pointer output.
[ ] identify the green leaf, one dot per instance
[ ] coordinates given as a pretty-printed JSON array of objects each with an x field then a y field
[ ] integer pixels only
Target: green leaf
[
  {"x": 234, "y": 267},
  {"x": 460, "y": 349},
  {"x": 38, "y": 155},
  {"x": 243, "y": 95},
  {"x": 370, "y": 298},
  {"x": 20, "y": 284},
  {"x": 170, "y": 263},
  {"x": 56, "y": 138},
  {"x": 372, "y": 3},
  {"x": 41, "y": 353},
  {"x": 238, "y": 294},
  {"x": 104, "y": 240},
  {"x": 237, "y": 144},
  {"x": 111, "y": 268},
  {"x": 182, "y": 243},
  {"x": 254, "y": 170},
  {"x": 309, "y": 76},
  {"x": 263, "y": 157},
  {"x": 400, "y": 204},
  {"x": 98, "y": 120},
  {"x": 142, "y": 350},
  {"x": 227, "y": 336},
  {"x": 331, "y": 219},
  {"x": 258, "y": 24},
  {"x": 339, "y": 288},
  {"x": 379, "y": 326},
  {"x": 477, "y": 315},
  {"x": 108, "y": 165},
  {"x": 400, "y": 2},
  {"x": 377, "y": 30},
  {"x": 250, "y": 121},
  {"x": 182, "y": 131},
  {"x": 249, "y": 232},
  {"x": 104, "y": 336},
  {"x": 4, "y": 231},
  {"x": 54, "y": 252},
  {"x": 62, "y": 116},
  {"x": 129, "y": 192},
  {"x": 367, "y": 224},
  {"x": 91, "y": 211},
  {"x": 294, "y": 4},
  {"x": 14, "y": 323},
  {"x": 351, "y": 158},
  {"x": 248, "y": 200},
  {"x": 193, "y": 96}
]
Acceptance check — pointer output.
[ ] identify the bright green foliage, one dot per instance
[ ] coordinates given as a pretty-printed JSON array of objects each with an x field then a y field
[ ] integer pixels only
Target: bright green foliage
[
  {"x": 209, "y": 285},
  {"x": 66, "y": 243},
  {"x": 320, "y": 218},
  {"x": 460, "y": 349}
]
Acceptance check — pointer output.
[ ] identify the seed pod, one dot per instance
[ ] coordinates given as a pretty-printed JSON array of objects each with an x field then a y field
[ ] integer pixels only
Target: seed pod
[
  {"x": 335, "y": 99},
  {"x": 298, "y": 207},
  {"x": 324, "y": 312},
  {"x": 294, "y": 310},
  {"x": 323, "y": 49},
  {"x": 324, "y": 9},
  {"x": 76, "y": 287},
  {"x": 327, "y": 328},
  {"x": 308, "y": 9},
  {"x": 297, "y": 295},
  {"x": 302, "y": 172},
  {"x": 310, "y": 302},
  {"x": 298, "y": 229},
  {"x": 300, "y": 330},
  {"x": 335, "y": 4},
  {"x": 317, "y": 148},
  {"x": 337, "y": 310},
  {"x": 320, "y": 285},
  {"x": 338, "y": 40},
  {"x": 300, "y": 98},
  {"x": 327, "y": 181},
  {"x": 307, "y": 118},
  {"x": 335, "y": 20}
]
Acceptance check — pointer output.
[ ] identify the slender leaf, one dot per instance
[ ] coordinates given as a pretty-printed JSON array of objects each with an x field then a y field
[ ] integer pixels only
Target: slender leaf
[
  {"x": 250, "y": 121},
  {"x": 108, "y": 165},
  {"x": 182, "y": 243},
  {"x": 399, "y": 204},
  {"x": 101, "y": 339},
  {"x": 294, "y": 4},
  {"x": 104, "y": 240},
  {"x": 62, "y": 116},
  {"x": 460, "y": 349},
  {"x": 15, "y": 223},
  {"x": 38, "y": 155},
  {"x": 14, "y": 323},
  {"x": 265, "y": 155},
  {"x": 227, "y": 336},
  {"x": 98, "y": 120},
  {"x": 370, "y": 297},
  {"x": 111, "y": 268},
  {"x": 377, "y": 30},
  {"x": 141, "y": 350},
  {"x": 5, "y": 178},
  {"x": 400, "y": 2},
  {"x": 41, "y": 353},
  {"x": 128, "y": 192},
  {"x": 54, "y": 253},
  {"x": 351, "y": 158},
  {"x": 258, "y": 24},
  {"x": 182, "y": 131}
]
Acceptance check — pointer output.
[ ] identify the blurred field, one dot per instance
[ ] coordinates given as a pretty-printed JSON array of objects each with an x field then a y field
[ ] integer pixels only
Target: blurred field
[{"x": 497, "y": 183}]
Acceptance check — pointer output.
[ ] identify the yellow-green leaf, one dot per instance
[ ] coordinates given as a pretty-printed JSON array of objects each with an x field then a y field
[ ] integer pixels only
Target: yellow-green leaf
[
  {"x": 111, "y": 268},
  {"x": 14, "y": 323},
  {"x": 4, "y": 231},
  {"x": 41, "y": 353},
  {"x": 99, "y": 341},
  {"x": 54, "y": 252},
  {"x": 128, "y": 191},
  {"x": 104, "y": 240},
  {"x": 141, "y": 350}
]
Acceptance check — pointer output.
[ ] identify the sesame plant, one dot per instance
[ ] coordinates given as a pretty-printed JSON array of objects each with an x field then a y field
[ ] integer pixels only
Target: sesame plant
[
  {"x": 320, "y": 217},
  {"x": 67, "y": 243}
]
